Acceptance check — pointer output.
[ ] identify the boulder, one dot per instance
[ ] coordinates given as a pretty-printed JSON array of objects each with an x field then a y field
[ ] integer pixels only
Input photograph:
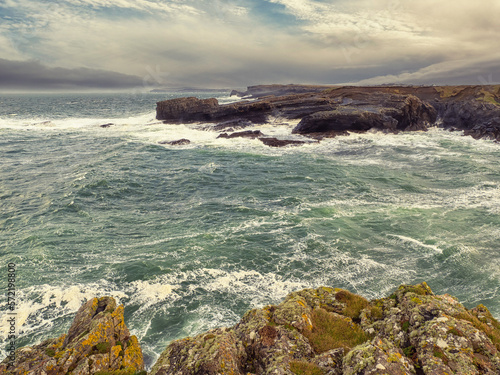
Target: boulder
[
  {"x": 97, "y": 341},
  {"x": 275, "y": 142},
  {"x": 244, "y": 134},
  {"x": 178, "y": 142}
]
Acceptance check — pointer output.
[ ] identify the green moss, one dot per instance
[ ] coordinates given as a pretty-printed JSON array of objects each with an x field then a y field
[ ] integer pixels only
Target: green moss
[
  {"x": 50, "y": 352},
  {"x": 409, "y": 351},
  {"x": 376, "y": 313},
  {"x": 438, "y": 353},
  {"x": 330, "y": 331},
  {"x": 305, "y": 368},
  {"x": 103, "y": 347},
  {"x": 354, "y": 303},
  {"x": 405, "y": 326},
  {"x": 420, "y": 289},
  {"x": 456, "y": 332},
  {"x": 492, "y": 332}
]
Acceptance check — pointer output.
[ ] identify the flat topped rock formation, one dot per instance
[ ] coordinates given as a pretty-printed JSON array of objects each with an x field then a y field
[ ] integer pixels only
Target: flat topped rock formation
[
  {"x": 334, "y": 110},
  {"x": 323, "y": 331}
]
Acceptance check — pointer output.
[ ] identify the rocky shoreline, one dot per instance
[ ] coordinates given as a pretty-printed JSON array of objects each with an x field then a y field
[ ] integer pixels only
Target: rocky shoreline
[
  {"x": 313, "y": 331},
  {"x": 329, "y": 111}
]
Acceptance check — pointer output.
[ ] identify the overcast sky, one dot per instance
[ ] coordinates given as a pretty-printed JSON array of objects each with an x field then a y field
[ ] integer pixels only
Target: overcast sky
[{"x": 235, "y": 43}]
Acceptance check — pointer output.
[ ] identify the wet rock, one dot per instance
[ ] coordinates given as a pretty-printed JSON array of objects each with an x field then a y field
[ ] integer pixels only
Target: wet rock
[
  {"x": 334, "y": 110},
  {"x": 98, "y": 340},
  {"x": 187, "y": 109},
  {"x": 179, "y": 142},
  {"x": 230, "y": 125},
  {"x": 275, "y": 142},
  {"x": 378, "y": 111},
  {"x": 252, "y": 134}
]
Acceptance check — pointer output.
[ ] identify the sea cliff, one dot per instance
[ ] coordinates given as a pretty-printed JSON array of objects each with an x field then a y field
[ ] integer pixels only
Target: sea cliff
[
  {"x": 313, "y": 331},
  {"x": 328, "y": 111}
]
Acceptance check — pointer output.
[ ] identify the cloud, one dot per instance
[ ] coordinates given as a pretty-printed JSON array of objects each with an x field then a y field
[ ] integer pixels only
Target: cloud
[
  {"x": 32, "y": 74},
  {"x": 200, "y": 43},
  {"x": 459, "y": 72}
]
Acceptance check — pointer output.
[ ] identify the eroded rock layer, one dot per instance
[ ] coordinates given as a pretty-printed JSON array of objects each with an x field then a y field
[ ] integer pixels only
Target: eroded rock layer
[{"x": 333, "y": 110}]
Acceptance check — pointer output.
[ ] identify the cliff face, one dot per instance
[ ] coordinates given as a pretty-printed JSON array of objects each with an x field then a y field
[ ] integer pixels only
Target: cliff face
[
  {"x": 331, "y": 331},
  {"x": 314, "y": 331},
  {"x": 336, "y": 109},
  {"x": 97, "y": 342}
]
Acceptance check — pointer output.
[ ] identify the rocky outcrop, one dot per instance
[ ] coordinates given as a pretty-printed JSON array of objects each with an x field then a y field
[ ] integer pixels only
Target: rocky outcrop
[
  {"x": 332, "y": 331},
  {"x": 337, "y": 109},
  {"x": 178, "y": 142},
  {"x": 252, "y": 134},
  {"x": 187, "y": 110},
  {"x": 323, "y": 331},
  {"x": 275, "y": 142},
  {"x": 391, "y": 113},
  {"x": 98, "y": 341}
]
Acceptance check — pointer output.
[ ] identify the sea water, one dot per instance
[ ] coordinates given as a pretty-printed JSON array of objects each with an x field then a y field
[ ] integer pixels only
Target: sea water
[{"x": 190, "y": 237}]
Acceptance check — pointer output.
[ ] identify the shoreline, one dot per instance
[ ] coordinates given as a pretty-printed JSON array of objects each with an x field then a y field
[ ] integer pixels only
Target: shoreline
[{"x": 327, "y": 112}]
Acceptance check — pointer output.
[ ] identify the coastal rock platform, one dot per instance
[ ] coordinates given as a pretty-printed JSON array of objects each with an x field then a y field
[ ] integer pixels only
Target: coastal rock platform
[{"x": 335, "y": 110}]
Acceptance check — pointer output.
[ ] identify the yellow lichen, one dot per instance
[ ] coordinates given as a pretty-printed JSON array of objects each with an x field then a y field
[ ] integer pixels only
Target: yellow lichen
[
  {"x": 133, "y": 354},
  {"x": 308, "y": 321}
]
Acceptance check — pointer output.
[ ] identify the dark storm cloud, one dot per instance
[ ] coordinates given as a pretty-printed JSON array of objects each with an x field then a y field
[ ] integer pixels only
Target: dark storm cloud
[{"x": 34, "y": 75}]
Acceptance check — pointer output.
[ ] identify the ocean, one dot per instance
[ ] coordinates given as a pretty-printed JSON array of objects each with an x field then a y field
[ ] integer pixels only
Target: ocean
[{"x": 190, "y": 237}]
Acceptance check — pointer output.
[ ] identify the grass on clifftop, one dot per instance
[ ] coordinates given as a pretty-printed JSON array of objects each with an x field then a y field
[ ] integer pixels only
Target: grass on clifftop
[
  {"x": 305, "y": 368},
  {"x": 331, "y": 331},
  {"x": 354, "y": 304},
  {"x": 492, "y": 330}
]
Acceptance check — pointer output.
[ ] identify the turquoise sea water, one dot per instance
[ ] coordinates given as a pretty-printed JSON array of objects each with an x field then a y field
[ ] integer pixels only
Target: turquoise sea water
[{"x": 190, "y": 237}]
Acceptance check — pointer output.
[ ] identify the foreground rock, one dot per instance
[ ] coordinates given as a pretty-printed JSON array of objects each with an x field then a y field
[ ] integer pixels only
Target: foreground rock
[
  {"x": 313, "y": 331},
  {"x": 331, "y": 331},
  {"x": 97, "y": 342},
  {"x": 337, "y": 109}
]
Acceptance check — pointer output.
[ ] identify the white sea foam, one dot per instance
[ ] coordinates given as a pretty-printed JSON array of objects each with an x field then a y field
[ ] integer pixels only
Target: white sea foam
[
  {"x": 148, "y": 293},
  {"x": 416, "y": 243}
]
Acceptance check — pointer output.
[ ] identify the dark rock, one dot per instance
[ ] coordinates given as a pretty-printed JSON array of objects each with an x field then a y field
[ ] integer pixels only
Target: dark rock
[
  {"x": 179, "y": 142},
  {"x": 187, "y": 109},
  {"x": 344, "y": 119},
  {"x": 388, "y": 112},
  {"x": 230, "y": 125},
  {"x": 106, "y": 125},
  {"x": 237, "y": 93},
  {"x": 97, "y": 341},
  {"x": 337, "y": 109},
  {"x": 194, "y": 110},
  {"x": 245, "y": 134},
  {"x": 274, "y": 142}
]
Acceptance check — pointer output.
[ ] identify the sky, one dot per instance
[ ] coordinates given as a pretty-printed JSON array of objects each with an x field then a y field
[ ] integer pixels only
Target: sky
[{"x": 148, "y": 44}]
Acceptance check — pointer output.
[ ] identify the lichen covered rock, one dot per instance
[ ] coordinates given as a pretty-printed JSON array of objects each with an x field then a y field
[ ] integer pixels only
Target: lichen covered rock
[
  {"x": 97, "y": 341},
  {"x": 334, "y": 332}
]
